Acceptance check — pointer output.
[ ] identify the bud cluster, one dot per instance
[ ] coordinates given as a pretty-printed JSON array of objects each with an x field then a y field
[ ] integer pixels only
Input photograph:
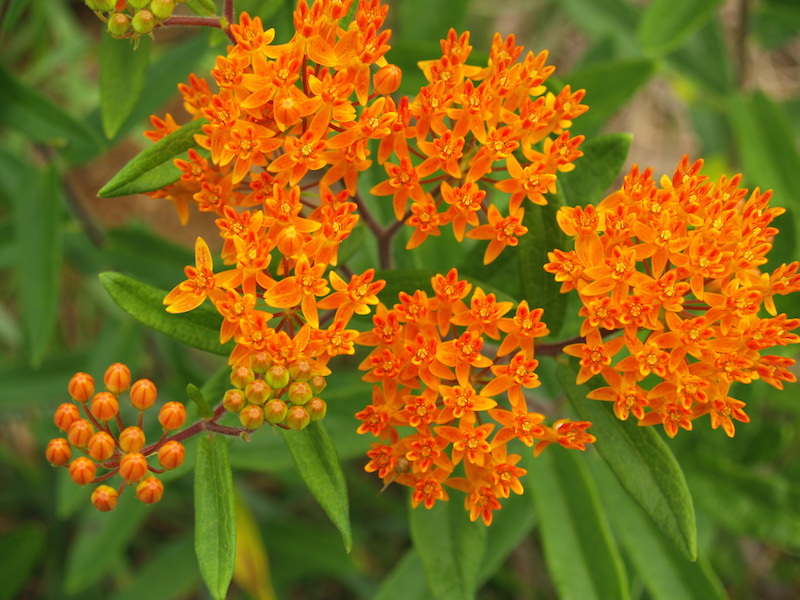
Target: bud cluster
[
  {"x": 132, "y": 18},
  {"x": 116, "y": 449}
]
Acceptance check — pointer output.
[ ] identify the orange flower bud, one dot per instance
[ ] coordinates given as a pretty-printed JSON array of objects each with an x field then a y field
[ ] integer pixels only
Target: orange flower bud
[
  {"x": 105, "y": 498},
  {"x": 133, "y": 467},
  {"x": 104, "y": 406},
  {"x": 387, "y": 79},
  {"x": 277, "y": 377},
  {"x": 234, "y": 401},
  {"x": 171, "y": 455},
  {"x": 81, "y": 387},
  {"x": 118, "y": 24},
  {"x": 297, "y": 418},
  {"x": 317, "y": 408},
  {"x": 162, "y": 9},
  {"x": 80, "y": 432},
  {"x": 66, "y": 415},
  {"x": 257, "y": 391},
  {"x": 299, "y": 392},
  {"x": 252, "y": 416},
  {"x": 143, "y": 22},
  {"x": 82, "y": 470},
  {"x": 260, "y": 362},
  {"x": 241, "y": 376},
  {"x": 131, "y": 439},
  {"x": 275, "y": 411},
  {"x": 317, "y": 383},
  {"x": 117, "y": 378},
  {"x": 301, "y": 369},
  {"x": 101, "y": 446},
  {"x": 143, "y": 394},
  {"x": 58, "y": 452},
  {"x": 150, "y": 490},
  {"x": 172, "y": 416}
]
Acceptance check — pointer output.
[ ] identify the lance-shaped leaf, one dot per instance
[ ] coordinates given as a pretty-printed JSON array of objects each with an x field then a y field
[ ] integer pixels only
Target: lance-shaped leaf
[
  {"x": 215, "y": 516},
  {"x": 152, "y": 168},
  {"x": 642, "y": 462},
  {"x": 198, "y": 328},
  {"x": 316, "y": 460},
  {"x": 602, "y": 160},
  {"x": 203, "y": 407},
  {"x": 666, "y": 24},
  {"x": 451, "y": 548},
  {"x": 122, "y": 75}
]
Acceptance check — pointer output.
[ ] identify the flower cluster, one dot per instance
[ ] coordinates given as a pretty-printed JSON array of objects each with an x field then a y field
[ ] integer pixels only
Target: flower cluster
[
  {"x": 676, "y": 270},
  {"x": 434, "y": 403},
  {"x": 122, "y": 452},
  {"x": 132, "y": 18}
]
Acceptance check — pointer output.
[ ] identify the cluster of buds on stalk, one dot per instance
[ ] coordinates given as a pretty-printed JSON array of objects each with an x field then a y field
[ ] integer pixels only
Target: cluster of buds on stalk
[{"x": 132, "y": 18}]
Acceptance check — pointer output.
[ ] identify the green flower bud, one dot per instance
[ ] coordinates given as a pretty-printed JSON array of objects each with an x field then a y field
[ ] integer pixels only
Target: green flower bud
[
  {"x": 104, "y": 5},
  {"x": 275, "y": 411},
  {"x": 317, "y": 408},
  {"x": 299, "y": 392},
  {"x": 260, "y": 361},
  {"x": 241, "y": 376},
  {"x": 234, "y": 401},
  {"x": 317, "y": 383},
  {"x": 297, "y": 418},
  {"x": 137, "y": 4},
  {"x": 301, "y": 369},
  {"x": 118, "y": 25},
  {"x": 277, "y": 377},
  {"x": 257, "y": 391},
  {"x": 143, "y": 22},
  {"x": 252, "y": 416},
  {"x": 162, "y": 9}
]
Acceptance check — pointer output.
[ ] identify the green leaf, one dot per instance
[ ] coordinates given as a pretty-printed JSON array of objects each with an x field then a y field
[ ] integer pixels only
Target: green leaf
[
  {"x": 171, "y": 573},
  {"x": 540, "y": 288},
  {"x": 715, "y": 72},
  {"x": 316, "y": 460},
  {"x": 598, "y": 168},
  {"x": 20, "y": 551},
  {"x": 198, "y": 328},
  {"x": 450, "y": 547},
  {"x": 581, "y": 555},
  {"x": 152, "y": 168},
  {"x": 666, "y": 24},
  {"x": 203, "y": 8},
  {"x": 38, "y": 218},
  {"x": 203, "y": 407},
  {"x": 215, "y": 516},
  {"x": 122, "y": 75},
  {"x": 440, "y": 16},
  {"x": 642, "y": 462},
  {"x": 617, "y": 19},
  {"x": 406, "y": 581},
  {"x": 24, "y": 387}
]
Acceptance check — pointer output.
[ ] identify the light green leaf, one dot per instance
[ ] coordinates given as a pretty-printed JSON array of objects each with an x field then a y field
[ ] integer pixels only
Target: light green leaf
[
  {"x": 152, "y": 168},
  {"x": 122, "y": 75},
  {"x": 602, "y": 160},
  {"x": 316, "y": 460},
  {"x": 451, "y": 548},
  {"x": 666, "y": 24},
  {"x": 171, "y": 573},
  {"x": 203, "y": 407},
  {"x": 204, "y": 8},
  {"x": 215, "y": 516},
  {"x": 581, "y": 555},
  {"x": 642, "y": 462},
  {"x": 198, "y": 328},
  {"x": 20, "y": 551}
]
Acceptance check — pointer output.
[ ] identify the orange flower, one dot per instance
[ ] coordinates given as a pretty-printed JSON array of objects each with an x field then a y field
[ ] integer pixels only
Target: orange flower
[{"x": 200, "y": 282}]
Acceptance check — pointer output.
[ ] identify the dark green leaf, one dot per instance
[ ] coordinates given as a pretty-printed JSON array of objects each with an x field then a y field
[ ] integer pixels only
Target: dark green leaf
[
  {"x": 451, "y": 548},
  {"x": 20, "y": 551},
  {"x": 203, "y": 407},
  {"x": 540, "y": 288},
  {"x": 581, "y": 555},
  {"x": 171, "y": 573},
  {"x": 122, "y": 76},
  {"x": 316, "y": 460},
  {"x": 642, "y": 462},
  {"x": 215, "y": 516},
  {"x": 602, "y": 160},
  {"x": 666, "y": 24},
  {"x": 152, "y": 168},
  {"x": 202, "y": 7},
  {"x": 198, "y": 328}
]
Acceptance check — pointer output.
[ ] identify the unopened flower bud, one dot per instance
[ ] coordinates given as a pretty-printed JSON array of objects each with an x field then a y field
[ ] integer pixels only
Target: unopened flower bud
[
  {"x": 58, "y": 452},
  {"x": 133, "y": 467},
  {"x": 143, "y": 394},
  {"x": 137, "y": 4},
  {"x": 257, "y": 391},
  {"x": 387, "y": 79},
  {"x": 105, "y": 5},
  {"x": 317, "y": 408},
  {"x": 131, "y": 439},
  {"x": 150, "y": 490},
  {"x": 66, "y": 415},
  {"x": 299, "y": 392},
  {"x": 101, "y": 446},
  {"x": 104, "y": 406},
  {"x": 143, "y": 22},
  {"x": 162, "y": 9},
  {"x": 241, "y": 376},
  {"x": 80, "y": 432},
  {"x": 277, "y": 377},
  {"x": 297, "y": 418},
  {"x": 171, "y": 455},
  {"x": 261, "y": 361},
  {"x": 234, "y": 401},
  {"x": 251, "y": 416},
  {"x": 172, "y": 416},
  {"x": 275, "y": 411},
  {"x": 301, "y": 369},
  {"x": 118, "y": 24},
  {"x": 117, "y": 378},
  {"x": 317, "y": 383},
  {"x": 82, "y": 470},
  {"x": 81, "y": 387},
  {"x": 105, "y": 498}
]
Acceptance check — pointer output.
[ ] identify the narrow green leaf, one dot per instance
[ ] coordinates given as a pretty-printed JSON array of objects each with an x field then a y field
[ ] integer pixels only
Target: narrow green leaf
[
  {"x": 451, "y": 548},
  {"x": 204, "y": 8},
  {"x": 540, "y": 288},
  {"x": 666, "y": 24},
  {"x": 171, "y": 573},
  {"x": 602, "y": 160},
  {"x": 122, "y": 75},
  {"x": 152, "y": 168},
  {"x": 203, "y": 407},
  {"x": 198, "y": 328},
  {"x": 215, "y": 516},
  {"x": 20, "y": 551},
  {"x": 316, "y": 460},
  {"x": 642, "y": 462},
  {"x": 580, "y": 552},
  {"x": 38, "y": 218}
]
